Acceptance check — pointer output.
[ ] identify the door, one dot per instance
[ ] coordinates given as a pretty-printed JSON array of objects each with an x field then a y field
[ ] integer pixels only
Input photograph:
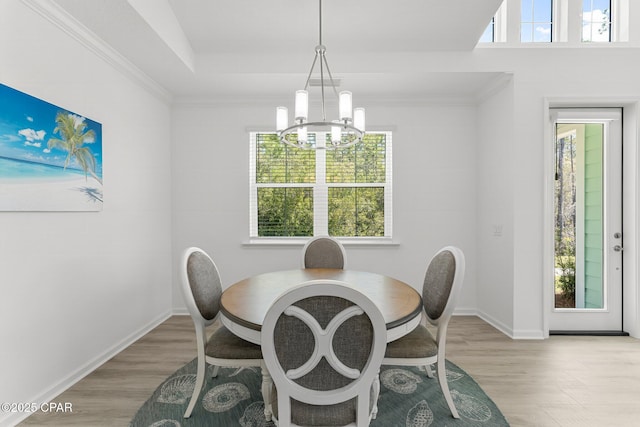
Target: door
[{"x": 587, "y": 284}]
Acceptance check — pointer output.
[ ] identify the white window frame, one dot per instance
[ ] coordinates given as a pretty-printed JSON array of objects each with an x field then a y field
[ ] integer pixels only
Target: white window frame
[
  {"x": 321, "y": 195},
  {"x": 566, "y": 26},
  {"x": 500, "y": 24},
  {"x": 552, "y": 23}
]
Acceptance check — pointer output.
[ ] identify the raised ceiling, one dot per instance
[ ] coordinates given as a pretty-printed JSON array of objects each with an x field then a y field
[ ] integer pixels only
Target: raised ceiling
[{"x": 264, "y": 48}]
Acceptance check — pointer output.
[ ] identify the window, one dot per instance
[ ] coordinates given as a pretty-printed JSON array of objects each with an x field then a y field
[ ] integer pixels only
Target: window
[
  {"x": 535, "y": 21},
  {"x": 596, "y": 20},
  {"x": 496, "y": 31},
  {"x": 488, "y": 35},
  {"x": 299, "y": 193}
]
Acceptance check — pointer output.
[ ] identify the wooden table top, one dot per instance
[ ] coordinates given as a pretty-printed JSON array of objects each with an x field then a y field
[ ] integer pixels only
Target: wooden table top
[{"x": 247, "y": 301}]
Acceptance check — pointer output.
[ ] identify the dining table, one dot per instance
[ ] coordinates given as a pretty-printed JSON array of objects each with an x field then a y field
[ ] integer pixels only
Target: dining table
[{"x": 244, "y": 304}]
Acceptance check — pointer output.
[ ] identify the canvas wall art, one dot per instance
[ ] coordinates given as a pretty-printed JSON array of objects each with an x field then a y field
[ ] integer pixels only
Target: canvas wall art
[{"x": 50, "y": 158}]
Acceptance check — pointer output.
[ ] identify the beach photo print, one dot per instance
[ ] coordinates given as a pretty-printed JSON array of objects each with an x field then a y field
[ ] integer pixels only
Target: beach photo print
[{"x": 50, "y": 158}]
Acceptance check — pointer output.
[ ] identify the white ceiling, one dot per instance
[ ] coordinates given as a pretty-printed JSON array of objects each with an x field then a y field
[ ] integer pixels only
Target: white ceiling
[{"x": 264, "y": 48}]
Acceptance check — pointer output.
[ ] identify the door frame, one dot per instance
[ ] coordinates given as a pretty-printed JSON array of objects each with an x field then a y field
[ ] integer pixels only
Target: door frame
[
  {"x": 630, "y": 211},
  {"x": 607, "y": 318}
]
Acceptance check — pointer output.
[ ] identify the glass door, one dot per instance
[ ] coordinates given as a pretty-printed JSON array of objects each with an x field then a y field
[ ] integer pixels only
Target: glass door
[{"x": 587, "y": 213}]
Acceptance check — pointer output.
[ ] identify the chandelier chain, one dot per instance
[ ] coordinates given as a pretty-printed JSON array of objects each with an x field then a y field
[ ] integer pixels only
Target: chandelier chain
[{"x": 320, "y": 23}]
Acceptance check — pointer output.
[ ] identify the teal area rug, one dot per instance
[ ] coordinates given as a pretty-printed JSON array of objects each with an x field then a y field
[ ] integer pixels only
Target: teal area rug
[{"x": 408, "y": 398}]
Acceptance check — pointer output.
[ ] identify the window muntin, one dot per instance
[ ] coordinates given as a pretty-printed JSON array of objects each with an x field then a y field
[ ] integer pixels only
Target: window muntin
[
  {"x": 536, "y": 21},
  {"x": 596, "y": 21},
  {"x": 343, "y": 193}
]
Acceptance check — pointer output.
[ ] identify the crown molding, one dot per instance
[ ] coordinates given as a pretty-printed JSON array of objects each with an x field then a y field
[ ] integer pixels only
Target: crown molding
[
  {"x": 495, "y": 86},
  {"x": 61, "y": 19},
  {"x": 366, "y": 101}
]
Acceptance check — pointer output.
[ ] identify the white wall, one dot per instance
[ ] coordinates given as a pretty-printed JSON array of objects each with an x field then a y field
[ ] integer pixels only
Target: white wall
[
  {"x": 75, "y": 287},
  {"x": 434, "y": 149},
  {"x": 495, "y": 195}
]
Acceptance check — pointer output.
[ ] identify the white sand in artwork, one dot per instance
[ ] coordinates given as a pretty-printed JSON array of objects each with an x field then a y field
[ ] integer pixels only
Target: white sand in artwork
[{"x": 63, "y": 195}]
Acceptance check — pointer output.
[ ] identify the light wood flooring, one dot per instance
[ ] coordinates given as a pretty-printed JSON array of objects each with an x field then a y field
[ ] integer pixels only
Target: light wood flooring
[{"x": 562, "y": 381}]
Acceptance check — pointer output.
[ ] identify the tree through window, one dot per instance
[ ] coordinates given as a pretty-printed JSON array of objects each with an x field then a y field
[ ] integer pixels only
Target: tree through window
[{"x": 300, "y": 193}]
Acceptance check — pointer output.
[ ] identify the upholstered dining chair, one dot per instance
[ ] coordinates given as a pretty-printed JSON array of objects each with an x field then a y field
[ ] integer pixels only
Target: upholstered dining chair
[
  {"x": 323, "y": 343},
  {"x": 201, "y": 289},
  {"x": 442, "y": 283},
  {"x": 324, "y": 252}
]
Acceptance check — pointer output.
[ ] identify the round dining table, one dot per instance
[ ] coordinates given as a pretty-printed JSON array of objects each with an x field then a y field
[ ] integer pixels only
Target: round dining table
[{"x": 244, "y": 304}]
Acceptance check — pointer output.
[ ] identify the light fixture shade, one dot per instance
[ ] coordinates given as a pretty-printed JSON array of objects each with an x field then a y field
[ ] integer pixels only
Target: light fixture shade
[
  {"x": 345, "y": 105},
  {"x": 282, "y": 118},
  {"x": 302, "y": 105},
  {"x": 358, "y": 119},
  {"x": 336, "y": 133},
  {"x": 302, "y": 135}
]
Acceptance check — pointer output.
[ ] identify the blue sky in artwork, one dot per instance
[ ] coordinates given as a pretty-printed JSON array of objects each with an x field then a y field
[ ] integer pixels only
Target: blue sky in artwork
[{"x": 26, "y": 125}]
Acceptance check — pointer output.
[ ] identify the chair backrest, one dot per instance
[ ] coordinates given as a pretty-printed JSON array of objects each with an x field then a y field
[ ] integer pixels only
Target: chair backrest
[
  {"x": 324, "y": 252},
  {"x": 201, "y": 285},
  {"x": 442, "y": 284},
  {"x": 323, "y": 343}
]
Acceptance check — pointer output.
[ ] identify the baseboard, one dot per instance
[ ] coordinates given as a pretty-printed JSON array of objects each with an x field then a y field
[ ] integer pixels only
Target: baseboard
[
  {"x": 180, "y": 311},
  {"x": 496, "y": 323},
  {"x": 464, "y": 311},
  {"x": 528, "y": 334},
  {"x": 516, "y": 334},
  {"x": 50, "y": 394}
]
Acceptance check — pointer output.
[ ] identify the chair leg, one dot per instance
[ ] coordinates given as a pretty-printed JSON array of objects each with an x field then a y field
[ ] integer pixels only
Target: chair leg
[
  {"x": 362, "y": 410},
  {"x": 198, "y": 387},
  {"x": 428, "y": 370},
  {"x": 376, "y": 394},
  {"x": 267, "y": 382},
  {"x": 444, "y": 386},
  {"x": 216, "y": 368}
]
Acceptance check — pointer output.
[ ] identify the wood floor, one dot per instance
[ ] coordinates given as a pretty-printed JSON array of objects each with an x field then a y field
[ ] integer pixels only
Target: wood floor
[{"x": 562, "y": 381}]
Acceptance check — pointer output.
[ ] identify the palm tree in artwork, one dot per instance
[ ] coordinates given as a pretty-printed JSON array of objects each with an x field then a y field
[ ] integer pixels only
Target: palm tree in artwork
[{"x": 73, "y": 137}]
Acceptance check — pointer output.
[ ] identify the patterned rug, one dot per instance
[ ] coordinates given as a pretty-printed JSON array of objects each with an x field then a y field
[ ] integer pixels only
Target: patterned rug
[{"x": 408, "y": 398}]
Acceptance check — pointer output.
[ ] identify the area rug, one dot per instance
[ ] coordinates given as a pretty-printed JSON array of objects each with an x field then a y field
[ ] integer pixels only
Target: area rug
[{"x": 408, "y": 398}]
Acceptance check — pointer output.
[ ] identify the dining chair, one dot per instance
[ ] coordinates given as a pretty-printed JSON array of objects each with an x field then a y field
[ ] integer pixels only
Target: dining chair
[
  {"x": 323, "y": 343},
  {"x": 442, "y": 283},
  {"x": 201, "y": 289},
  {"x": 324, "y": 252}
]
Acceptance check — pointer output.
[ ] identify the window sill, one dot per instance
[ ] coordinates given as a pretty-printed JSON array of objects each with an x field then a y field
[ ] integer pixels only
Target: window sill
[{"x": 296, "y": 241}]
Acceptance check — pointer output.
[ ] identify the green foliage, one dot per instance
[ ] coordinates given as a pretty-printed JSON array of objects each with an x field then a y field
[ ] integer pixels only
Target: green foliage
[
  {"x": 73, "y": 136},
  {"x": 356, "y": 211},
  {"x": 565, "y": 217},
  {"x": 566, "y": 279},
  {"x": 360, "y": 163},
  {"x": 285, "y": 211},
  {"x": 280, "y": 163}
]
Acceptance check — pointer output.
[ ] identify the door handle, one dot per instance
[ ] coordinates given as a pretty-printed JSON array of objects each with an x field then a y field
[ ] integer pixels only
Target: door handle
[{"x": 618, "y": 248}]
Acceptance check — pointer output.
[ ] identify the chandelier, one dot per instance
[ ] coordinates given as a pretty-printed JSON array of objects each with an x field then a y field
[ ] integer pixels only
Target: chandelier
[{"x": 347, "y": 130}]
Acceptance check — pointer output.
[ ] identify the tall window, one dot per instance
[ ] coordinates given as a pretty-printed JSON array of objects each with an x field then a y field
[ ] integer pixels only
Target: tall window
[
  {"x": 535, "y": 21},
  {"x": 342, "y": 193},
  {"x": 596, "y": 20}
]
